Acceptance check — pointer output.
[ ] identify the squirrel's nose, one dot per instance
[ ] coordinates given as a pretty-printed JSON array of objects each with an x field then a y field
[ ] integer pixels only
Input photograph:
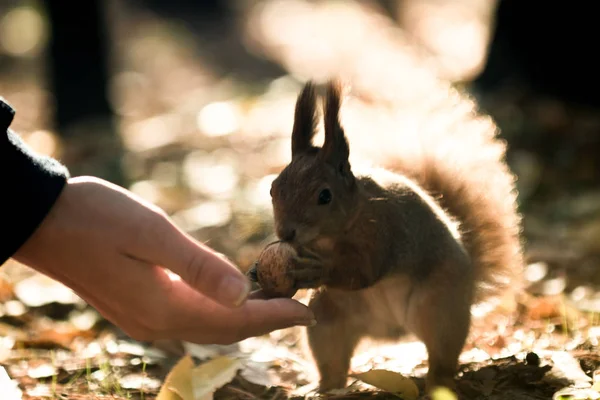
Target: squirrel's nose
[{"x": 287, "y": 234}]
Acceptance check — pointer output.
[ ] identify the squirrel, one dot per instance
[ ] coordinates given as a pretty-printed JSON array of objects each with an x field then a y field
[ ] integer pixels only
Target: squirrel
[{"x": 396, "y": 251}]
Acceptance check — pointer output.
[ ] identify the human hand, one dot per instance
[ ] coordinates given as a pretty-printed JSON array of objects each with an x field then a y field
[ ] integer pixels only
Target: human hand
[{"x": 110, "y": 247}]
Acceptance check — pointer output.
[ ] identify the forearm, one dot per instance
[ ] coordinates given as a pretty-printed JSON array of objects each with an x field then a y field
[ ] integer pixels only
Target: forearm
[{"x": 30, "y": 184}]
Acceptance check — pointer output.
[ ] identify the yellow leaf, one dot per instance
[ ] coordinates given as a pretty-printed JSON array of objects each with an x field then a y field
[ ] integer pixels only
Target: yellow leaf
[
  {"x": 572, "y": 393},
  {"x": 442, "y": 393},
  {"x": 390, "y": 381},
  {"x": 166, "y": 394},
  {"x": 178, "y": 384},
  {"x": 188, "y": 382},
  {"x": 596, "y": 380},
  {"x": 212, "y": 375}
]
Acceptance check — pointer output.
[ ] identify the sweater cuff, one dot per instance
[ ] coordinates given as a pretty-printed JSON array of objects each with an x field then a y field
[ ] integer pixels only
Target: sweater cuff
[{"x": 31, "y": 184}]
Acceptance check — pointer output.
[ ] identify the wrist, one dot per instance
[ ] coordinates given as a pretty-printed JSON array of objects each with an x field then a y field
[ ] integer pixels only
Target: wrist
[{"x": 36, "y": 247}]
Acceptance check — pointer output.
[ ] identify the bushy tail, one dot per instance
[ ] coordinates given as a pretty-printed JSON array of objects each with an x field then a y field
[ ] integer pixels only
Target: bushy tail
[
  {"x": 479, "y": 192},
  {"x": 455, "y": 154}
]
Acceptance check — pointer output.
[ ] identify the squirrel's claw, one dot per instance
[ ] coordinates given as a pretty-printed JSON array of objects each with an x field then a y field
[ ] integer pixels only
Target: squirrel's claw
[
  {"x": 307, "y": 273},
  {"x": 252, "y": 273}
]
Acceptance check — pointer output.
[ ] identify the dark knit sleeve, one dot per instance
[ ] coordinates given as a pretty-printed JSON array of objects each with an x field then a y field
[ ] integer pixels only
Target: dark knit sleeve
[{"x": 29, "y": 185}]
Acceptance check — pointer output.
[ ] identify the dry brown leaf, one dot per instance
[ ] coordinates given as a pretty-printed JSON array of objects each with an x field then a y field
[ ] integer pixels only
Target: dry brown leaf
[
  {"x": 7, "y": 330},
  {"x": 544, "y": 307},
  {"x": 390, "y": 381},
  {"x": 61, "y": 335},
  {"x": 6, "y": 290}
]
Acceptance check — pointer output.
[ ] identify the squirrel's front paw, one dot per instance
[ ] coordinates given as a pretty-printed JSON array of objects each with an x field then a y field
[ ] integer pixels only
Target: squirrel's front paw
[{"x": 307, "y": 273}]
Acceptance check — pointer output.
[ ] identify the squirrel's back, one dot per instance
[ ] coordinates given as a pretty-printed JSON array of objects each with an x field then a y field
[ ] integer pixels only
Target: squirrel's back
[{"x": 455, "y": 155}]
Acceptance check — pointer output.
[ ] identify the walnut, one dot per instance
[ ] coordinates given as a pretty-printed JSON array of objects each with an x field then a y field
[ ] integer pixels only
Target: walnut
[{"x": 270, "y": 270}]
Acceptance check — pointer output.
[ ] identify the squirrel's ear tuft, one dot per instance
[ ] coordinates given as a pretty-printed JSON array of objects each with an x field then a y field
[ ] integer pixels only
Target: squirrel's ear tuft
[
  {"x": 305, "y": 119},
  {"x": 335, "y": 149}
]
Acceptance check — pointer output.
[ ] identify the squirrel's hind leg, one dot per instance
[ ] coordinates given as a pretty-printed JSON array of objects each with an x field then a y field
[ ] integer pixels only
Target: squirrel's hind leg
[
  {"x": 439, "y": 313},
  {"x": 332, "y": 341}
]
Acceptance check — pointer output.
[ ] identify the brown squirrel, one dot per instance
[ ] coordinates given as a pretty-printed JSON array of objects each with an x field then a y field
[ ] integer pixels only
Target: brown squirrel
[{"x": 407, "y": 254}]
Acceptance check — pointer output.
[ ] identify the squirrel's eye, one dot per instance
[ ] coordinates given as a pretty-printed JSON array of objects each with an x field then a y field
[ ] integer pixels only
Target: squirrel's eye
[{"x": 325, "y": 196}]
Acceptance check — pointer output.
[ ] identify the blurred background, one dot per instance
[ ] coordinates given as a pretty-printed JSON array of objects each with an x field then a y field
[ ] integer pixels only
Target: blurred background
[{"x": 189, "y": 103}]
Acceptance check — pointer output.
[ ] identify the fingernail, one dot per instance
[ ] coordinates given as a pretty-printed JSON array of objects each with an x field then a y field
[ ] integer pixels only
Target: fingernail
[{"x": 234, "y": 290}]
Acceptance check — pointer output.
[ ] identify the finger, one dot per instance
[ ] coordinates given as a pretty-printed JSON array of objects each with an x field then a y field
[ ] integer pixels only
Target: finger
[
  {"x": 255, "y": 318},
  {"x": 199, "y": 319},
  {"x": 163, "y": 243},
  {"x": 264, "y": 316}
]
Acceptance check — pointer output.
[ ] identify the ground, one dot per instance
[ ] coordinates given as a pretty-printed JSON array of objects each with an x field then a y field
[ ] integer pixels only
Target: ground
[{"x": 204, "y": 146}]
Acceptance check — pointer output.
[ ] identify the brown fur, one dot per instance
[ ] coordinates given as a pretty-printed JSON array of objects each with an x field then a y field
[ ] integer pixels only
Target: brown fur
[{"x": 391, "y": 253}]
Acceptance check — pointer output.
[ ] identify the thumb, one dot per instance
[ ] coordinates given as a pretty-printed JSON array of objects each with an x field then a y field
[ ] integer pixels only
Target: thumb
[{"x": 197, "y": 264}]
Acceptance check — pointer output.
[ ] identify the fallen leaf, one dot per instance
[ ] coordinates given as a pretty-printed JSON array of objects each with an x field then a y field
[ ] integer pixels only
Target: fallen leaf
[
  {"x": 8, "y": 387},
  {"x": 6, "y": 289},
  {"x": 260, "y": 374},
  {"x": 544, "y": 307},
  {"x": 40, "y": 391},
  {"x": 596, "y": 380},
  {"x": 178, "y": 383},
  {"x": 41, "y": 371},
  {"x": 60, "y": 334},
  {"x": 186, "y": 382},
  {"x": 84, "y": 320},
  {"x": 139, "y": 382},
  {"x": 303, "y": 391},
  {"x": 390, "y": 381},
  {"x": 136, "y": 349},
  {"x": 442, "y": 393},
  {"x": 566, "y": 366},
  {"x": 576, "y": 394},
  {"x": 39, "y": 290},
  {"x": 212, "y": 375},
  {"x": 14, "y": 308},
  {"x": 7, "y": 330},
  {"x": 207, "y": 351}
]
